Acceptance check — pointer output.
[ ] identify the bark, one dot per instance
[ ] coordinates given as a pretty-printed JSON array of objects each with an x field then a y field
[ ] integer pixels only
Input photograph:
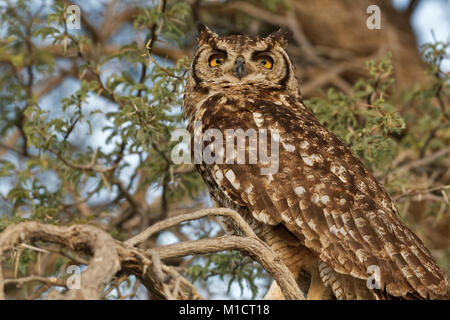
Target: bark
[{"x": 112, "y": 258}]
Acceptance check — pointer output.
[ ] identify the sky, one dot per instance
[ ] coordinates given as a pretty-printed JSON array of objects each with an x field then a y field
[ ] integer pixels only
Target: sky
[{"x": 430, "y": 17}]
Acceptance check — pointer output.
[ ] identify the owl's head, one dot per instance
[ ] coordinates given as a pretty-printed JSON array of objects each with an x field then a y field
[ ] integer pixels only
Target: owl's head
[{"x": 240, "y": 60}]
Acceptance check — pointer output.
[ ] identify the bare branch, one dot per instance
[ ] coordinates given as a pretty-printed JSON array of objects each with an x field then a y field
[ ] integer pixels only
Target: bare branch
[
  {"x": 415, "y": 193},
  {"x": 254, "y": 247},
  {"x": 111, "y": 257},
  {"x": 102, "y": 267},
  {"x": 170, "y": 222},
  {"x": 52, "y": 281},
  {"x": 421, "y": 162}
]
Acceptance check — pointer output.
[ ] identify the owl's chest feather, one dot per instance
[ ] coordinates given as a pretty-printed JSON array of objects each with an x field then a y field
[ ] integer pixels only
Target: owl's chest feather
[{"x": 221, "y": 199}]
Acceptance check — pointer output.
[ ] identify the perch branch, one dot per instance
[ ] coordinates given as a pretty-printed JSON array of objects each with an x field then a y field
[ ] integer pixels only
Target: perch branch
[
  {"x": 254, "y": 247},
  {"x": 170, "y": 222},
  {"x": 111, "y": 257},
  {"x": 102, "y": 267}
]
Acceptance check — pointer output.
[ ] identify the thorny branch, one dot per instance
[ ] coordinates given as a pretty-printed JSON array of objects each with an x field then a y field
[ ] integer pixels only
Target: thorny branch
[{"x": 111, "y": 258}]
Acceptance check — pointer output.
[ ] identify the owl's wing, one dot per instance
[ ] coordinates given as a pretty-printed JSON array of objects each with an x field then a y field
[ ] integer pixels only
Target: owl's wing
[{"x": 327, "y": 198}]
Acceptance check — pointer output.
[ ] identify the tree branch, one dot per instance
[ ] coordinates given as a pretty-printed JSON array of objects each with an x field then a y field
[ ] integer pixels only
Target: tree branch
[
  {"x": 102, "y": 267},
  {"x": 170, "y": 222},
  {"x": 255, "y": 248},
  {"x": 111, "y": 257}
]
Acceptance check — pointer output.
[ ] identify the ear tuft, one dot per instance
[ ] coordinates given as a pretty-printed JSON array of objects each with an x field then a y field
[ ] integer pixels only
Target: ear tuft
[
  {"x": 279, "y": 37},
  {"x": 205, "y": 34}
]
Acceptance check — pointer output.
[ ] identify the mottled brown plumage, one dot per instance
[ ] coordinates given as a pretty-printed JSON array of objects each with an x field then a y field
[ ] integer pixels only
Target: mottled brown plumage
[{"x": 323, "y": 212}]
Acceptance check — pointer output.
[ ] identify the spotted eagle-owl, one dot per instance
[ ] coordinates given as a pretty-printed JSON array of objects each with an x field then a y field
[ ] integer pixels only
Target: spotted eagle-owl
[{"x": 322, "y": 211}]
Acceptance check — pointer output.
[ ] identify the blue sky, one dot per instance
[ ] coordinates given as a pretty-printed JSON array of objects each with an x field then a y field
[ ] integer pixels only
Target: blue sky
[{"x": 430, "y": 17}]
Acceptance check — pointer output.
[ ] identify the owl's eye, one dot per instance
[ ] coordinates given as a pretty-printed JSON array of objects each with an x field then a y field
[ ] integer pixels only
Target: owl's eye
[
  {"x": 216, "y": 59},
  {"x": 266, "y": 62}
]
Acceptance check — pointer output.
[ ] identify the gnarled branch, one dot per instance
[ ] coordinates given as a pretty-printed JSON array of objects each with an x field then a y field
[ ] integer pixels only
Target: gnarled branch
[{"x": 111, "y": 257}]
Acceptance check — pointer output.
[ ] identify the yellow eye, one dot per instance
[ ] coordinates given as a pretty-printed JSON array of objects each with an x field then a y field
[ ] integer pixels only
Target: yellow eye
[
  {"x": 266, "y": 62},
  {"x": 216, "y": 60}
]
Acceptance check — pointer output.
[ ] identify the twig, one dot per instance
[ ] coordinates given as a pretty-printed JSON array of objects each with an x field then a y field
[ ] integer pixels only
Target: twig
[
  {"x": 430, "y": 137},
  {"x": 50, "y": 281},
  {"x": 301, "y": 39},
  {"x": 170, "y": 222},
  {"x": 420, "y": 192},
  {"x": 133, "y": 292},
  {"x": 92, "y": 166},
  {"x": 421, "y": 162},
  {"x": 170, "y": 74},
  {"x": 111, "y": 257},
  {"x": 27, "y": 246},
  {"x": 102, "y": 267},
  {"x": 254, "y": 247},
  {"x": 114, "y": 284}
]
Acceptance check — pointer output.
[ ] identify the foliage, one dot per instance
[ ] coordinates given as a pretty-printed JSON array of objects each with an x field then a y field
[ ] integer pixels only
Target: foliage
[
  {"x": 98, "y": 150},
  {"x": 364, "y": 120},
  {"x": 232, "y": 265}
]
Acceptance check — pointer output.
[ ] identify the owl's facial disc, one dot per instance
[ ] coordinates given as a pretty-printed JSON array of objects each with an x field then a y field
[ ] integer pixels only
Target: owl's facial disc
[{"x": 239, "y": 60}]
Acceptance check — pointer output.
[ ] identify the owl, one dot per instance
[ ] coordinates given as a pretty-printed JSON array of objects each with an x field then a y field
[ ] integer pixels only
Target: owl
[{"x": 314, "y": 202}]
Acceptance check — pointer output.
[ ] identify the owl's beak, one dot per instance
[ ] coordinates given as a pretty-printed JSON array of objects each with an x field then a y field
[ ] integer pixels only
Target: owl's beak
[{"x": 239, "y": 67}]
